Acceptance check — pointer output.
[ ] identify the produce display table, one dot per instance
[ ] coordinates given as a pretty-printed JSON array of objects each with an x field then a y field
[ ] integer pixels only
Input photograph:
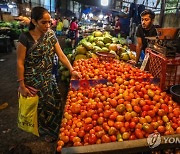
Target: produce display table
[
  {"x": 118, "y": 116},
  {"x": 5, "y": 44},
  {"x": 133, "y": 146},
  {"x": 116, "y": 108}
]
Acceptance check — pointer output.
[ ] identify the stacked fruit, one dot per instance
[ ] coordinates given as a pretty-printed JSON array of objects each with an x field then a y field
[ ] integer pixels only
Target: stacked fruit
[
  {"x": 103, "y": 42},
  {"x": 125, "y": 110},
  {"x": 112, "y": 69}
]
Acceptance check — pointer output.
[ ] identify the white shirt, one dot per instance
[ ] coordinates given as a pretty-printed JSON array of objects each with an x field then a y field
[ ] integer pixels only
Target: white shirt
[{"x": 66, "y": 23}]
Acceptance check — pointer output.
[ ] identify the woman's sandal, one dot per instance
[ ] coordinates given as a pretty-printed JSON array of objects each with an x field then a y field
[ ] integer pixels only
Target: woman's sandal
[{"x": 49, "y": 139}]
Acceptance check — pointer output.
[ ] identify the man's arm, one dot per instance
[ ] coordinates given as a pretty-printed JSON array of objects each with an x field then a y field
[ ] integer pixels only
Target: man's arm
[{"x": 138, "y": 48}]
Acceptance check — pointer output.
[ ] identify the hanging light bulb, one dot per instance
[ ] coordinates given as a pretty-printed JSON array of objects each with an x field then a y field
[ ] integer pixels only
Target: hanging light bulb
[
  {"x": 100, "y": 16},
  {"x": 28, "y": 9},
  {"x": 104, "y": 2},
  {"x": 10, "y": 5}
]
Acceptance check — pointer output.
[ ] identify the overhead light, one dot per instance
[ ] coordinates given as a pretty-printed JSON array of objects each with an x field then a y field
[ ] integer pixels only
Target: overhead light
[
  {"x": 90, "y": 15},
  {"x": 27, "y": 9},
  {"x": 85, "y": 17},
  {"x": 105, "y": 16},
  {"x": 104, "y": 2},
  {"x": 100, "y": 16},
  {"x": 10, "y": 5}
]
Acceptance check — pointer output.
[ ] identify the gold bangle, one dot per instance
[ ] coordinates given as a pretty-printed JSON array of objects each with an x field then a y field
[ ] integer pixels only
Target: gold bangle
[{"x": 20, "y": 80}]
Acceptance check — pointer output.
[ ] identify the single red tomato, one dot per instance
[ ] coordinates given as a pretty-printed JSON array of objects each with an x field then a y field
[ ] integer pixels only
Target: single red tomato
[
  {"x": 139, "y": 134},
  {"x": 92, "y": 138},
  {"x": 161, "y": 129},
  {"x": 105, "y": 139},
  {"x": 132, "y": 125},
  {"x": 113, "y": 138}
]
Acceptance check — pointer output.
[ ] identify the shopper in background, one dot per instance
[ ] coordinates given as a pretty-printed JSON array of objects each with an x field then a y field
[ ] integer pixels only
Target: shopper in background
[
  {"x": 35, "y": 55},
  {"x": 66, "y": 24},
  {"x": 54, "y": 23},
  {"x": 145, "y": 29},
  {"x": 59, "y": 27},
  {"x": 73, "y": 32},
  {"x": 117, "y": 28}
]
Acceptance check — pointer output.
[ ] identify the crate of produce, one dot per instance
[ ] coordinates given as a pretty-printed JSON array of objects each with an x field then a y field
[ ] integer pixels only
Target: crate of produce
[
  {"x": 119, "y": 116},
  {"x": 164, "y": 68}
]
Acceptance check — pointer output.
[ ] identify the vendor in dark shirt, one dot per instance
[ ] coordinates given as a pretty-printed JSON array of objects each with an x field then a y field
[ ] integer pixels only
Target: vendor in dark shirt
[
  {"x": 146, "y": 29},
  {"x": 117, "y": 28}
]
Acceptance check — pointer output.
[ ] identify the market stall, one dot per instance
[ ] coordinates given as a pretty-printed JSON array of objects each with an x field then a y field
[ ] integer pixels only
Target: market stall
[
  {"x": 9, "y": 33},
  {"x": 115, "y": 107}
]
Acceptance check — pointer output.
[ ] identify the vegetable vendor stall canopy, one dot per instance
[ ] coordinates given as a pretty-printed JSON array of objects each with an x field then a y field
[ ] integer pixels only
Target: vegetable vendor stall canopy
[{"x": 4, "y": 6}]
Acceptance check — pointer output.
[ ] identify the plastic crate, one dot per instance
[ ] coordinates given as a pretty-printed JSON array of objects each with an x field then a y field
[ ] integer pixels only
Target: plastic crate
[{"x": 165, "y": 68}]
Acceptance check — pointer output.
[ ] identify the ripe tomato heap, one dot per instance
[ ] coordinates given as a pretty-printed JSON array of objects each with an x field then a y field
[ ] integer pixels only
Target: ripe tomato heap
[
  {"x": 126, "y": 110},
  {"x": 94, "y": 68}
]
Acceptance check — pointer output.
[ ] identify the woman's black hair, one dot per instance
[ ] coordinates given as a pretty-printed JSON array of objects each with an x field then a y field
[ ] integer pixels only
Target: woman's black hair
[
  {"x": 37, "y": 14},
  {"x": 148, "y": 11},
  {"x": 74, "y": 19}
]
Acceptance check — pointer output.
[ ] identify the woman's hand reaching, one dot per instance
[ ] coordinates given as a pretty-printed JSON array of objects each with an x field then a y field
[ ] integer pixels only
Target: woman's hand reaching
[{"x": 75, "y": 75}]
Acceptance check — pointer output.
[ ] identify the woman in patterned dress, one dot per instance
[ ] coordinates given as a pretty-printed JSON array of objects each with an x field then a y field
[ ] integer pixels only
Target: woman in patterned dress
[{"x": 35, "y": 55}]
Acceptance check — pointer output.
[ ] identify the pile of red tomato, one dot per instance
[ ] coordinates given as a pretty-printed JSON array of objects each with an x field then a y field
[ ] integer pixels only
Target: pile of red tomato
[
  {"x": 109, "y": 69},
  {"x": 128, "y": 109}
]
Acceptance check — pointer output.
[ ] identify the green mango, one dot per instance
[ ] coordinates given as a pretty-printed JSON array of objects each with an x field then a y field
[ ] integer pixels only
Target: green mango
[
  {"x": 69, "y": 56},
  {"x": 122, "y": 40},
  {"x": 104, "y": 49},
  {"x": 87, "y": 45},
  {"x": 97, "y": 33},
  {"x": 96, "y": 49},
  {"x": 125, "y": 56},
  {"x": 80, "y": 57},
  {"x": 98, "y": 39},
  {"x": 100, "y": 44},
  {"x": 82, "y": 41},
  {"x": 115, "y": 40},
  {"x": 81, "y": 50},
  {"x": 113, "y": 52},
  {"x": 106, "y": 34},
  {"x": 93, "y": 43},
  {"x": 107, "y": 45},
  {"x": 107, "y": 40},
  {"x": 91, "y": 38}
]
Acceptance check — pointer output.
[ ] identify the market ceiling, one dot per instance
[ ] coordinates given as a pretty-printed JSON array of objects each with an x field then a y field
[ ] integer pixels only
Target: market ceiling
[{"x": 90, "y": 2}]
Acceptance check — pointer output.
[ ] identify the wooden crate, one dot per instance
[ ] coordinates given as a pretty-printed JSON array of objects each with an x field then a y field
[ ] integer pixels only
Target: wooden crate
[{"x": 125, "y": 147}]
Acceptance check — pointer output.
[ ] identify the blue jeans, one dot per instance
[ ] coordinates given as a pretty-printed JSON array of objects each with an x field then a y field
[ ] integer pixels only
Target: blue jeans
[{"x": 142, "y": 55}]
